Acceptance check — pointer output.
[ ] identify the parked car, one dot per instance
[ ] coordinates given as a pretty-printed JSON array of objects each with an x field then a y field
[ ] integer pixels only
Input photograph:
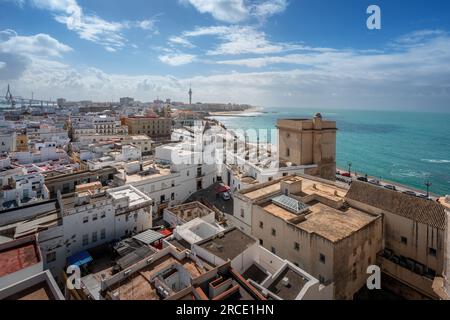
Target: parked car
[
  {"x": 410, "y": 193},
  {"x": 424, "y": 196},
  {"x": 390, "y": 187},
  {"x": 364, "y": 179},
  {"x": 374, "y": 181},
  {"x": 226, "y": 196},
  {"x": 346, "y": 174}
]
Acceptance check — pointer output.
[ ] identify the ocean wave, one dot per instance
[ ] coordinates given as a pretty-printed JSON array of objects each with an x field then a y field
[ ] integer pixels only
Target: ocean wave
[
  {"x": 435, "y": 161},
  {"x": 407, "y": 173}
]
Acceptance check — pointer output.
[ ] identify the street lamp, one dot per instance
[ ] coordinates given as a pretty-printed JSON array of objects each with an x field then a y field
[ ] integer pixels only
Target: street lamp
[
  {"x": 349, "y": 168},
  {"x": 428, "y": 184}
]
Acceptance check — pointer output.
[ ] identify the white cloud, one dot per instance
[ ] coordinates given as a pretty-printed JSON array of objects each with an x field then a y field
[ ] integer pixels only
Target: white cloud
[
  {"x": 416, "y": 37},
  {"x": 223, "y": 10},
  {"x": 88, "y": 26},
  {"x": 410, "y": 78},
  {"x": 269, "y": 8},
  {"x": 146, "y": 24},
  {"x": 237, "y": 40},
  {"x": 36, "y": 45},
  {"x": 181, "y": 41},
  {"x": 177, "y": 59},
  {"x": 91, "y": 27},
  {"x": 2, "y": 64},
  {"x": 234, "y": 11}
]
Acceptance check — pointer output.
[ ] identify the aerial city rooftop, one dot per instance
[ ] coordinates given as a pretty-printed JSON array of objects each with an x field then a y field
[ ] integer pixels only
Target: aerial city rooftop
[{"x": 124, "y": 191}]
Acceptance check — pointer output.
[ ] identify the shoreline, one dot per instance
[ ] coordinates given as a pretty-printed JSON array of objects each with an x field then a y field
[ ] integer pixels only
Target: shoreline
[
  {"x": 387, "y": 181},
  {"x": 243, "y": 113}
]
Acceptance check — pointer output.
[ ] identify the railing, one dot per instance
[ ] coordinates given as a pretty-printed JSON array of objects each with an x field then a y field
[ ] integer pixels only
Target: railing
[{"x": 416, "y": 281}]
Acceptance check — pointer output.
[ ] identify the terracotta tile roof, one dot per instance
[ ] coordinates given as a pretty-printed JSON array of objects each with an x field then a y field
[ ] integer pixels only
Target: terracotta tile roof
[{"x": 417, "y": 209}]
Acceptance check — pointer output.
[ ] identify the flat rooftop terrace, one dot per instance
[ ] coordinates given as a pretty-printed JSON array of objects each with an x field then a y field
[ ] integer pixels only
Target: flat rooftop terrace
[
  {"x": 233, "y": 243},
  {"x": 261, "y": 192},
  {"x": 134, "y": 197},
  {"x": 138, "y": 177},
  {"x": 289, "y": 290},
  {"x": 138, "y": 285},
  {"x": 331, "y": 192},
  {"x": 40, "y": 292},
  {"x": 190, "y": 211},
  {"x": 325, "y": 221},
  {"x": 18, "y": 257},
  {"x": 69, "y": 201}
]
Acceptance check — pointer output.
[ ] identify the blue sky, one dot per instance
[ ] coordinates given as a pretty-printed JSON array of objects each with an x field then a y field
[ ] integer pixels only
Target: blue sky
[{"x": 305, "y": 53}]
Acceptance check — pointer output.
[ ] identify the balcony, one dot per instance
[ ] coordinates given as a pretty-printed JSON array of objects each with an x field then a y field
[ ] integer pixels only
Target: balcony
[{"x": 419, "y": 281}]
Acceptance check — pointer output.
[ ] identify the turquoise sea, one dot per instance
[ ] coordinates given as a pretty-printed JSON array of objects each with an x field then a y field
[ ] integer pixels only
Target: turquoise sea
[{"x": 405, "y": 147}]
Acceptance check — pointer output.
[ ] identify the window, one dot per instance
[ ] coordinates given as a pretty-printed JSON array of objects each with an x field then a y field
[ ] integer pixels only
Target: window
[
  {"x": 261, "y": 242},
  {"x": 273, "y": 250},
  {"x": 432, "y": 252},
  {"x": 172, "y": 196},
  {"x": 270, "y": 178},
  {"x": 321, "y": 279},
  {"x": 103, "y": 234},
  {"x": 103, "y": 215},
  {"x": 288, "y": 152},
  {"x": 296, "y": 246},
  {"x": 322, "y": 258},
  {"x": 94, "y": 217},
  {"x": 94, "y": 236},
  {"x": 288, "y": 135},
  {"x": 285, "y": 174},
  {"x": 261, "y": 225},
  {"x": 85, "y": 219},
  {"x": 274, "y": 232},
  {"x": 242, "y": 213},
  {"x": 51, "y": 256},
  {"x": 85, "y": 240},
  {"x": 404, "y": 240}
]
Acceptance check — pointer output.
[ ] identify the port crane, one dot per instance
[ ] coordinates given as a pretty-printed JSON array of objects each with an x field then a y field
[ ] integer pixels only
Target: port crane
[{"x": 11, "y": 100}]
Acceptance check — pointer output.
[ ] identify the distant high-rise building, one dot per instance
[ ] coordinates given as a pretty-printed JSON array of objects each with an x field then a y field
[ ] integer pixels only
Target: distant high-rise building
[
  {"x": 126, "y": 101},
  {"x": 61, "y": 102},
  {"x": 190, "y": 95}
]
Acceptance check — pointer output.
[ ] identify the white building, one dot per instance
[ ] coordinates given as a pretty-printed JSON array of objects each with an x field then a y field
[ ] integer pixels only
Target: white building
[
  {"x": 165, "y": 181},
  {"x": 7, "y": 142},
  {"x": 96, "y": 124},
  {"x": 86, "y": 220},
  {"x": 23, "y": 189},
  {"x": 45, "y": 131},
  {"x": 44, "y": 154},
  {"x": 125, "y": 154}
]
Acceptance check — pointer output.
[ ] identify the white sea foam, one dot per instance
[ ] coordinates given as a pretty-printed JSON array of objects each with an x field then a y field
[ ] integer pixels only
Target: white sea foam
[
  {"x": 406, "y": 173},
  {"x": 435, "y": 161}
]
